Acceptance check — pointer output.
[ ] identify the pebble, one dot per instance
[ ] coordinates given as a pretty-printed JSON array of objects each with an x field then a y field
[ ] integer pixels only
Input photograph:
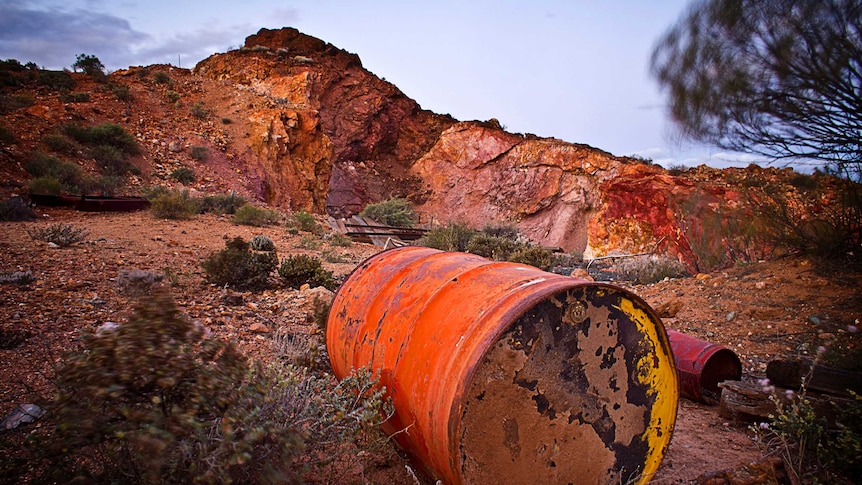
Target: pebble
[
  {"x": 814, "y": 319},
  {"x": 259, "y": 328},
  {"x": 731, "y": 316}
]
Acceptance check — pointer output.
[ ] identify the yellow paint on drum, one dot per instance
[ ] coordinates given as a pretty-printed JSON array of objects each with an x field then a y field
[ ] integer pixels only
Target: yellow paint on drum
[{"x": 658, "y": 372}]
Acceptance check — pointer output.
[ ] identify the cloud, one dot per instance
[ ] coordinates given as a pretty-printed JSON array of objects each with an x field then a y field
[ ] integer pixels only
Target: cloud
[{"x": 53, "y": 38}]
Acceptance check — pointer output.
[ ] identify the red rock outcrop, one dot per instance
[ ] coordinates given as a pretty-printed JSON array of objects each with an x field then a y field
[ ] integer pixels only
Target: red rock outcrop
[
  {"x": 305, "y": 126},
  {"x": 375, "y": 131}
]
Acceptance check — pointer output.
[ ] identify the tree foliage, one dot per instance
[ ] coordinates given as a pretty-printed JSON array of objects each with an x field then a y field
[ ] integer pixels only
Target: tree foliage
[
  {"x": 88, "y": 63},
  {"x": 779, "y": 78}
]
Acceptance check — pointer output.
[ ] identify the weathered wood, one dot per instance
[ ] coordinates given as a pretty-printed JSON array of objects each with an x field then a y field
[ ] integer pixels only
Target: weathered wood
[
  {"x": 746, "y": 401},
  {"x": 790, "y": 373}
]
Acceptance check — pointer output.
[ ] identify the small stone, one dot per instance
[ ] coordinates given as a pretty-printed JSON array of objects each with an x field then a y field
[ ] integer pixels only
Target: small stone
[
  {"x": 814, "y": 319},
  {"x": 305, "y": 287},
  {"x": 259, "y": 328},
  {"x": 825, "y": 336},
  {"x": 730, "y": 316},
  {"x": 53, "y": 245},
  {"x": 702, "y": 276},
  {"x": 232, "y": 299},
  {"x": 23, "y": 414},
  {"x": 760, "y": 285},
  {"x": 669, "y": 309},
  {"x": 581, "y": 273}
]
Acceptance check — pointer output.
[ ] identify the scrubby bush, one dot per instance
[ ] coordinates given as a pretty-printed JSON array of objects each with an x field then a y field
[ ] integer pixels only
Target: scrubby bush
[
  {"x": 110, "y": 134},
  {"x": 644, "y": 270},
  {"x": 47, "y": 186},
  {"x": 198, "y": 111},
  {"x": 252, "y": 215},
  {"x": 492, "y": 247},
  {"x": 262, "y": 243},
  {"x": 174, "y": 204},
  {"x": 183, "y": 175},
  {"x": 226, "y": 121},
  {"x": 67, "y": 174},
  {"x": 7, "y": 137},
  {"x": 222, "y": 204},
  {"x": 534, "y": 256},
  {"x": 340, "y": 240},
  {"x": 238, "y": 267},
  {"x": 304, "y": 221},
  {"x": 56, "y": 80},
  {"x": 452, "y": 237},
  {"x": 63, "y": 235},
  {"x": 161, "y": 77},
  {"x": 90, "y": 64},
  {"x": 172, "y": 96},
  {"x": 199, "y": 153},
  {"x": 309, "y": 242},
  {"x": 14, "y": 209},
  {"x": 153, "y": 400},
  {"x": 111, "y": 160},
  {"x": 60, "y": 143},
  {"x": 393, "y": 212},
  {"x": 301, "y": 269},
  {"x": 108, "y": 185},
  {"x": 121, "y": 92}
]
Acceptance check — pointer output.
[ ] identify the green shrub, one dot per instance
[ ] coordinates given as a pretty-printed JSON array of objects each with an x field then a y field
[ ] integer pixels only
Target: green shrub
[
  {"x": 393, "y": 212},
  {"x": 534, "y": 256},
  {"x": 14, "y": 209},
  {"x": 644, "y": 270},
  {"x": 504, "y": 231},
  {"x": 121, "y": 92},
  {"x": 47, "y": 186},
  {"x": 90, "y": 64},
  {"x": 198, "y": 111},
  {"x": 199, "y": 153},
  {"x": 12, "y": 103},
  {"x": 252, "y": 215},
  {"x": 56, "y": 80},
  {"x": 309, "y": 242},
  {"x": 107, "y": 185},
  {"x": 238, "y": 267},
  {"x": 262, "y": 243},
  {"x": 331, "y": 256},
  {"x": 153, "y": 400},
  {"x": 60, "y": 143},
  {"x": 104, "y": 134},
  {"x": 75, "y": 97},
  {"x": 111, "y": 160},
  {"x": 63, "y": 235},
  {"x": 174, "y": 204},
  {"x": 154, "y": 191},
  {"x": 340, "y": 240},
  {"x": 7, "y": 137},
  {"x": 161, "y": 77},
  {"x": 304, "y": 221},
  {"x": 172, "y": 96},
  {"x": 222, "y": 204},
  {"x": 301, "y": 269},
  {"x": 492, "y": 247},
  {"x": 452, "y": 237},
  {"x": 52, "y": 175},
  {"x": 183, "y": 175}
]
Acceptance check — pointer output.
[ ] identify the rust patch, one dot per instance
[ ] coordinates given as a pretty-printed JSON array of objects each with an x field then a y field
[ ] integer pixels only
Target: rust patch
[{"x": 557, "y": 398}]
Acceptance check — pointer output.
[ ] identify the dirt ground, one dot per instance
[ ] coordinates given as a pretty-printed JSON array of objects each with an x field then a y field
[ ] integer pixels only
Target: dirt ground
[{"x": 759, "y": 310}]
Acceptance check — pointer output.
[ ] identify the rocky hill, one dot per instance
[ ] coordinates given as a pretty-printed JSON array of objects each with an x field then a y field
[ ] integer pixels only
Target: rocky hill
[{"x": 297, "y": 123}]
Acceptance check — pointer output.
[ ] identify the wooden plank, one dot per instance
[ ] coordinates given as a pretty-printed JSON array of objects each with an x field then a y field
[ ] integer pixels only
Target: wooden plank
[
  {"x": 746, "y": 401},
  {"x": 791, "y": 372}
]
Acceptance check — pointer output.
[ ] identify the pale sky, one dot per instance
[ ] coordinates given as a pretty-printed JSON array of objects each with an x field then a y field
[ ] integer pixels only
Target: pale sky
[{"x": 576, "y": 70}]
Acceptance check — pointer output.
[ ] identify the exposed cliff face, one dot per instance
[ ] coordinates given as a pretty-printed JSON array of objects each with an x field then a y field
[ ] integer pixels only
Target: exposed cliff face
[
  {"x": 305, "y": 126},
  {"x": 374, "y": 132}
]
